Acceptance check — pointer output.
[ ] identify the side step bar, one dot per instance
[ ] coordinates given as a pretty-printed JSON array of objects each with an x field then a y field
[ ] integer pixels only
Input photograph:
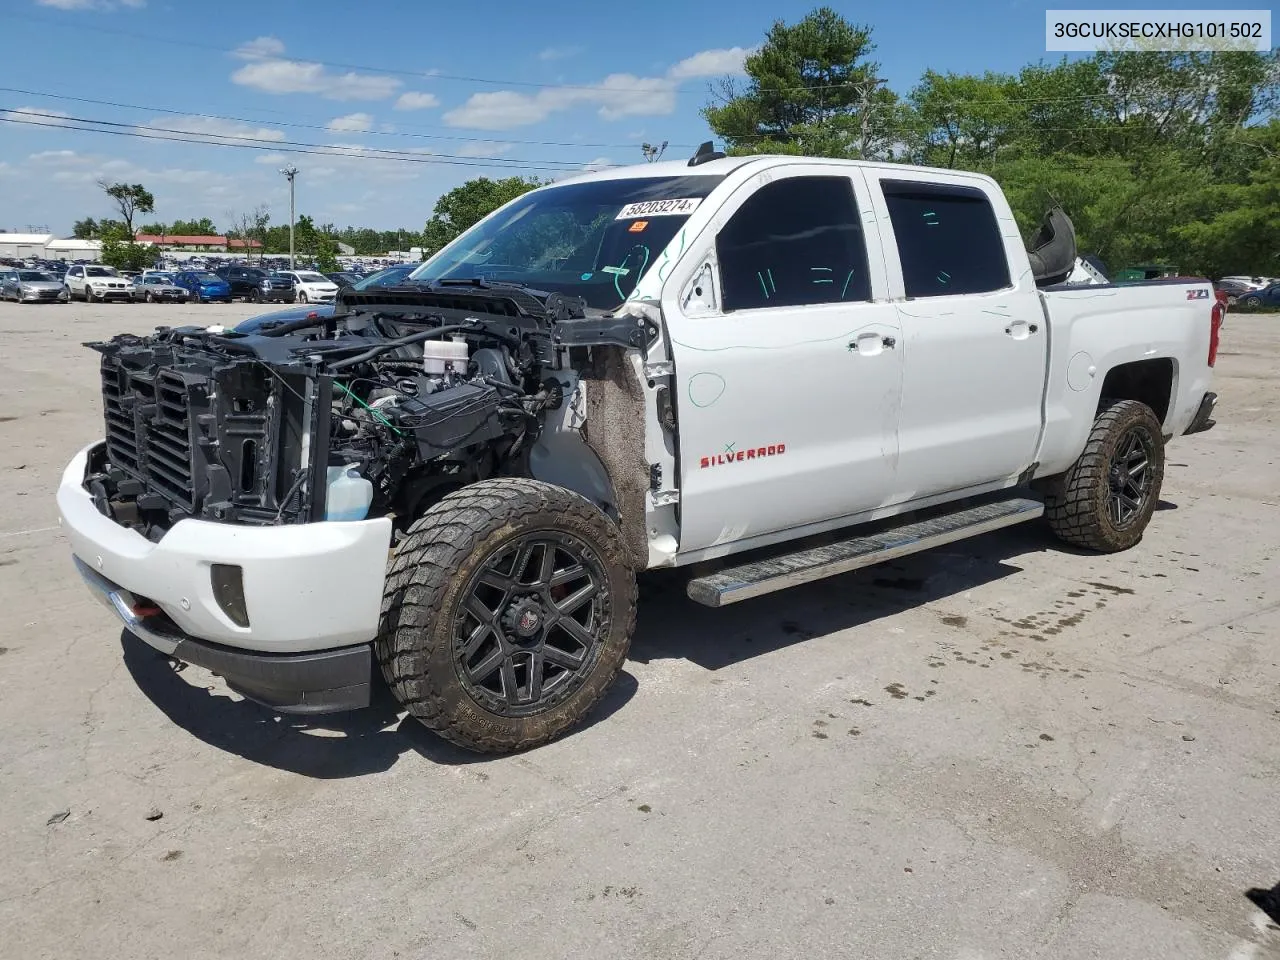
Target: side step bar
[{"x": 789, "y": 570}]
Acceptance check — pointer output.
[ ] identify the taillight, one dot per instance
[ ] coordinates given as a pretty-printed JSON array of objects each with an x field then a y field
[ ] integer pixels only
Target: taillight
[{"x": 1215, "y": 326}]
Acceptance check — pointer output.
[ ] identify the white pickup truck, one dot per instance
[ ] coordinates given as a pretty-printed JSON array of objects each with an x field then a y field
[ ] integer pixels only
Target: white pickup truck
[{"x": 765, "y": 369}]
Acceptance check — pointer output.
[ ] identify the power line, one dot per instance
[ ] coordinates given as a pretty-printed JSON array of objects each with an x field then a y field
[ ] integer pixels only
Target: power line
[
  {"x": 218, "y": 139},
  {"x": 275, "y": 146},
  {"x": 324, "y": 127}
]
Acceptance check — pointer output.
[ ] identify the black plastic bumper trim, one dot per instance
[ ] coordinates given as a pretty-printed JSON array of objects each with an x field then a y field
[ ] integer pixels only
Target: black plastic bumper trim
[
  {"x": 326, "y": 681},
  {"x": 1203, "y": 420}
]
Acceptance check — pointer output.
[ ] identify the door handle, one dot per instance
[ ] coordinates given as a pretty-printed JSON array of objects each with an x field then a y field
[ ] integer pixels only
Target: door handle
[
  {"x": 870, "y": 344},
  {"x": 1020, "y": 329}
]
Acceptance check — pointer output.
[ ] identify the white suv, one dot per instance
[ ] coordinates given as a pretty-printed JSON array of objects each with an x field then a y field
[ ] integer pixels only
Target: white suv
[
  {"x": 311, "y": 287},
  {"x": 96, "y": 281}
]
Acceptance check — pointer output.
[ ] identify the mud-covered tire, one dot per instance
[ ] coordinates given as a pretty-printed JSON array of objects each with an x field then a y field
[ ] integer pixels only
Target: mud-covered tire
[
  {"x": 428, "y": 621},
  {"x": 1081, "y": 505}
]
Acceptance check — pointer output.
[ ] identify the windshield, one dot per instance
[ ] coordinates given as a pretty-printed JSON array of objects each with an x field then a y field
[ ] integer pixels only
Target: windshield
[
  {"x": 208, "y": 278},
  {"x": 313, "y": 278},
  {"x": 34, "y": 276},
  {"x": 594, "y": 240},
  {"x": 99, "y": 272}
]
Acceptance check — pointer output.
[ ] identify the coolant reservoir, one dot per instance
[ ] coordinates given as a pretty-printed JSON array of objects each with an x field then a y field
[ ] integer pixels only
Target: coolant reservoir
[
  {"x": 444, "y": 356},
  {"x": 348, "y": 494}
]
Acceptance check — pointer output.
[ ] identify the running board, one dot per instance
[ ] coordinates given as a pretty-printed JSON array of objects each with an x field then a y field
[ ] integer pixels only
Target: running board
[{"x": 792, "y": 569}]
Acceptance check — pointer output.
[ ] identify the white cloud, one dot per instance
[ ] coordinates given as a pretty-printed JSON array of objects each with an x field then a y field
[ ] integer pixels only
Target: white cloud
[
  {"x": 617, "y": 95},
  {"x": 270, "y": 159},
  {"x": 559, "y": 53},
  {"x": 216, "y": 128},
  {"x": 55, "y": 157},
  {"x": 260, "y": 48},
  {"x": 710, "y": 63},
  {"x": 599, "y": 163},
  {"x": 415, "y": 100},
  {"x": 91, "y": 4},
  {"x": 483, "y": 149},
  {"x": 268, "y": 71},
  {"x": 351, "y": 123}
]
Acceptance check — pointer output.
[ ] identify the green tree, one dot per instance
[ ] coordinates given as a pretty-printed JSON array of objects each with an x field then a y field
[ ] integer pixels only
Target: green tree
[
  {"x": 86, "y": 229},
  {"x": 326, "y": 254},
  {"x": 120, "y": 251},
  {"x": 130, "y": 199},
  {"x": 468, "y": 204},
  {"x": 204, "y": 227},
  {"x": 305, "y": 236},
  {"x": 963, "y": 121},
  {"x": 812, "y": 90}
]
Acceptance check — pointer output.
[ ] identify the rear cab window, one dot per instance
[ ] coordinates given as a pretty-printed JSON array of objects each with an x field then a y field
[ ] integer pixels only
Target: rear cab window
[{"x": 948, "y": 239}]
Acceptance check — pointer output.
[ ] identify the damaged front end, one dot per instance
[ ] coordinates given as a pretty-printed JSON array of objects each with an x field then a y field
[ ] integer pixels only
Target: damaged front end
[{"x": 401, "y": 396}]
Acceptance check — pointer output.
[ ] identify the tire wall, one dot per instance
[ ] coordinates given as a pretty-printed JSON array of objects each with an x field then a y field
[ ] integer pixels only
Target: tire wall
[{"x": 615, "y": 432}]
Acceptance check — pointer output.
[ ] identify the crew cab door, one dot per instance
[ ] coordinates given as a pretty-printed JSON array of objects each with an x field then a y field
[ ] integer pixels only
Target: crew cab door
[
  {"x": 787, "y": 366},
  {"x": 973, "y": 330}
]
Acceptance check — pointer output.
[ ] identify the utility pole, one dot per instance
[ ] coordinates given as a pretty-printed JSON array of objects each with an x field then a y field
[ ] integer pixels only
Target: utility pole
[
  {"x": 652, "y": 153},
  {"x": 290, "y": 172}
]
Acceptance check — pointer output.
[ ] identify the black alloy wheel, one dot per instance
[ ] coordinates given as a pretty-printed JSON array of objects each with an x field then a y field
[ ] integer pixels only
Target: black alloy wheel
[
  {"x": 1130, "y": 476},
  {"x": 531, "y": 624}
]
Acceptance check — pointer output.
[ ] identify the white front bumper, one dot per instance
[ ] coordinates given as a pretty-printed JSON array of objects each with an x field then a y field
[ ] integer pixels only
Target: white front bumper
[{"x": 311, "y": 586}]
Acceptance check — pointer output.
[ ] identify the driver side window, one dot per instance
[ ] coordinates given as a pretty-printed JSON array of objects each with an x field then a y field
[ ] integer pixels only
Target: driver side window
[{"x": 794, "y": 242}]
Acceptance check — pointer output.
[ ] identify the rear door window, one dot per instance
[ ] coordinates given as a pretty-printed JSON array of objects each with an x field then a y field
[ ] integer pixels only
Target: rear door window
[
  {"x": 794, "y": 242},
  {"x": 948, "y": 239}
]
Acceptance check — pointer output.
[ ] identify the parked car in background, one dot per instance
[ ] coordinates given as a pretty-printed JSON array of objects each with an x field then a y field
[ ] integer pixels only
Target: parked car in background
[
  {"x": 388, "y": 277},
  {"x": 159, "y": 288},
  {"x": 1266, "y": 297},
  {"x": 96, "y": 281},
  {"x": 1233, "y": 288},
  {"x": 310, "y": 287},
  {"x": 1254, "y": 283},
  {"x": 203, "y": 286},
  {"x": 6, "y": 274},
  {"x": 251, "y": 283},
  {"x": 345, "y": 278},
  {"x": 33, "y": 286}
]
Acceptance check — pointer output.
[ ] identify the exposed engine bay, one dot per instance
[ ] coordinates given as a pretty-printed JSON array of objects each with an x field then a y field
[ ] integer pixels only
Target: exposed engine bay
[{"x": 382, "y": 408}]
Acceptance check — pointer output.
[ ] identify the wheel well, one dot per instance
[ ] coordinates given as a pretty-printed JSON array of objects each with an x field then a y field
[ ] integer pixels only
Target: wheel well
[{"x": 1147, "y": 381}]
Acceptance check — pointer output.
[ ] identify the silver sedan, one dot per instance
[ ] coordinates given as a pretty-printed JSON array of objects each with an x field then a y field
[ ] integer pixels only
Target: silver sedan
[
  {"x": 158, "y": 288},
  {"x": 33, "y": 286}
]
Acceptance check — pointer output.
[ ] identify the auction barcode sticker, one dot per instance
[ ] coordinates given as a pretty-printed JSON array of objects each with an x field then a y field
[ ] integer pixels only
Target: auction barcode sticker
[{"x": 682, "y": 206}]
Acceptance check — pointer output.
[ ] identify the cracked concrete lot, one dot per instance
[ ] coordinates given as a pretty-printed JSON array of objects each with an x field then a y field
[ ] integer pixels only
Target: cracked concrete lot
[{"x": 1002, "y": 749}]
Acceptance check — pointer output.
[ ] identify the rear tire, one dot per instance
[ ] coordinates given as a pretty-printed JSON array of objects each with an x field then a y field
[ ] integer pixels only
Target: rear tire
[
  {"x": 302, "y": 296},
  {"x": 507, "y": 614},
  {"x": 1105, "y": 500}
]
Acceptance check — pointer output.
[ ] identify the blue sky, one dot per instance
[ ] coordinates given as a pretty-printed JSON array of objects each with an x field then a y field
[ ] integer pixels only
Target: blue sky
[{"x": 589, "y": 81}]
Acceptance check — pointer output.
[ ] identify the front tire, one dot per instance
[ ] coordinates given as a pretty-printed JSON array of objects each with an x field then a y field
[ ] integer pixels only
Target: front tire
[
  {"x": 1105, "y": 500},
  {"x": 1253, "y": 301},
  {"x": 507, "y": 614}
]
